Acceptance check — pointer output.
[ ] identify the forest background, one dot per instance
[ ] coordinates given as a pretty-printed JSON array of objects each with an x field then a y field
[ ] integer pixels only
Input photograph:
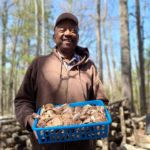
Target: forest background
[{"x": 116, "y": 32}]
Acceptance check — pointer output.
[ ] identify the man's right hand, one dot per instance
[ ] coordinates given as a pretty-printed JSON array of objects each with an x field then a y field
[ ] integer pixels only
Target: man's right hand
[{"x": 31, "y": 120}]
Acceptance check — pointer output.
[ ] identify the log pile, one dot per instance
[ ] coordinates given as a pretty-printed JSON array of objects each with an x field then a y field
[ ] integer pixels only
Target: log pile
[
  {"x": 122, "y": 124},
  {"x": 12, "y": 136},
  {"x": 126, "y": 131}
]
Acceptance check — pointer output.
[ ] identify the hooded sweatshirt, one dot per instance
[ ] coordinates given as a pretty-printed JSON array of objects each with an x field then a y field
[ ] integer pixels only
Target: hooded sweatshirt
[{"x": 48, "y": 81}]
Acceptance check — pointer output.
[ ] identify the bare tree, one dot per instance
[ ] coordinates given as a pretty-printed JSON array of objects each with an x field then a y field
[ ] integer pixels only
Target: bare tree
[
  {"x": 136, "y": 89},
  {"x": 115, "y": 83},
  {"x": 144, "y": 103},
  {"x": 37, "y": 28},
  {"x": 148, "y": 94},
  {"x": 12, "y": 73},
  {"x": 70, "y": 2},
  {"x": 106, "y": 46},
  {"x": 43, "y": 26},
  {"x": 98, "y": 39},
  {"x": 141, "y": 59},
  {"x": 125, "y": 54},
  {"x": 3, "y": 56}
]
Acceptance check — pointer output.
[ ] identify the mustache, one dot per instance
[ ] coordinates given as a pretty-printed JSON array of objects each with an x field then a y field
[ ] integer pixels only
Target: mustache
[{"x": 68, "y": 38}]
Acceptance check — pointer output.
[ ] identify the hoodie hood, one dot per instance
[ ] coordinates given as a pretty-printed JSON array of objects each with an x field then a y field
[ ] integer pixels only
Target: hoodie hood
[{"x": 83, "y": 52}]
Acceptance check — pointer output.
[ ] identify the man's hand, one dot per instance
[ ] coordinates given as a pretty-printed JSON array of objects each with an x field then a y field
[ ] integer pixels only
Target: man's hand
[{"x": 31, "y": 120}]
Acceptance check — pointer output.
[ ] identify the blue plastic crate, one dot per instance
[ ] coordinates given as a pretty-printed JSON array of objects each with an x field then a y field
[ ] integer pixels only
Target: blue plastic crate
[{"x": 69, "y": 133}]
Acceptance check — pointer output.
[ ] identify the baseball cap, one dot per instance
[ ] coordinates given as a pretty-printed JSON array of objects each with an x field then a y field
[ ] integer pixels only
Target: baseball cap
[{"x": 65, "y": 16}]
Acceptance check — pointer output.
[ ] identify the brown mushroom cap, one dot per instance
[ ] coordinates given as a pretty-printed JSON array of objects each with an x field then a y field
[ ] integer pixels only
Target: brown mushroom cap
[{"x": 66, "y": 115}]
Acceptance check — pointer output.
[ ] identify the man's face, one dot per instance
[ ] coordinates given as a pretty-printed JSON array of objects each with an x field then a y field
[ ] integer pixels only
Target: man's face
[{"x": 66, "y": 35}]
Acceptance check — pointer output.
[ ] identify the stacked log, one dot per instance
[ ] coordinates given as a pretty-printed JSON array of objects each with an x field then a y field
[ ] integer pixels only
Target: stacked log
[
  {"x": 124, "y": 129},
  {"x": 12, "y": 136},
  {"x": 122, "y": 125}
]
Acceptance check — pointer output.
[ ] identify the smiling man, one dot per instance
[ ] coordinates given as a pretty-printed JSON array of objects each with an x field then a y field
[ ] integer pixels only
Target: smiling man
[
  {"x": 66, "y": 36},
  {"x": 64, "y": 76}
]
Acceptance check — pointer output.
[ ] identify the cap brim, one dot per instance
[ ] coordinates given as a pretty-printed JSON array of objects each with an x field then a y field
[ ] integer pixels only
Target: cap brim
[{"x": 66, "y": 16}]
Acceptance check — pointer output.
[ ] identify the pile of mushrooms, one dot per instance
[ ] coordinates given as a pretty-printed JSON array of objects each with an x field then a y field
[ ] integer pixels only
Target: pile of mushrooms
[{"x": 61, "y": 115}]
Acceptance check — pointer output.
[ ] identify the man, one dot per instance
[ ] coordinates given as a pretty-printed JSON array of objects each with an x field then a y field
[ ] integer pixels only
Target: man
[{"x": 66, "y": 75}]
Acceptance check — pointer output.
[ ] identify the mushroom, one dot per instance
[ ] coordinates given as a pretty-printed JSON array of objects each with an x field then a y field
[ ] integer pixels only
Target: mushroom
[{"x": 67, "y": 115}]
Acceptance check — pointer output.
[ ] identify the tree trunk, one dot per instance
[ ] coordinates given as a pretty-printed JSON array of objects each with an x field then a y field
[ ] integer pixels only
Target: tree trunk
[
  {"x": 141, "y": 60},
  {"x": 37, "y": 28},
  {"x": 106, "y": 47},
  {"x": 148, "y": 89},
  {"x": 122, "y": 122},
  {"x": 43, "y": 26},
  {"x": 12, "y": 74},
  {"x": 115, "y": 83},
  {"x": 70, "y": 5},
  {"x": 3, "y": 57},
  {"x": 125, "y": 54},
  {"x": 98, "y": 35},
  {"x": 136, "y": 86},
  {"x": 108, "y": 65}
]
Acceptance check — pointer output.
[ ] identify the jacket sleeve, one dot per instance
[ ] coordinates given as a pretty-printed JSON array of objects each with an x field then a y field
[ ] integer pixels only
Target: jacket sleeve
[
  {"x": 98, "y": 89},
  {"x": 25, "y": 98}
]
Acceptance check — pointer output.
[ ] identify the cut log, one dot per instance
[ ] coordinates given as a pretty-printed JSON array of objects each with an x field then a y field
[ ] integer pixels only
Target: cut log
[
  {"x": 3, "y": 136},
  {"x": 115, "y": 118},
  {"x": 113, "y": 133},
  {"x": 132, "y": 115},
  {"x": 112, "y": 146},
  {"x": 105, "y": 144},
  {"x": 126, "y": 114},
  {"x": 131, "y": 140},
  {"x": 123, "y": 127},
  {"x": 128, "y": 122},
  {"x": 117, "y": 101},
  {"x": 142, "y": 140},
  {"x": 11, "y": 130},
  {"x": 116, "y": 138},
  {"x": 23, "y": 138},
  {"x": 10, "y": 141},
  {"x": 28, "y": 144},
  {"x": 114, "y": 113},
  {"x": 129, "y": 131},
  {"x": 6, "y": 122},
  {"x": 141, "y": 125},
  {"x": 99, "y": 143},
  {"x": 114, "y": 125},
  {"x": 7, "y": 117},
  {"x": 129, "y": 147},
  {"x": 25, "y": 132},
  {"x": 139, "y": 119}
]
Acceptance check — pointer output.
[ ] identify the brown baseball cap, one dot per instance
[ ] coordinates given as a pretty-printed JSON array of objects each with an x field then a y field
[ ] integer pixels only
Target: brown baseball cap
[{"x": 65, "y": 16}]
